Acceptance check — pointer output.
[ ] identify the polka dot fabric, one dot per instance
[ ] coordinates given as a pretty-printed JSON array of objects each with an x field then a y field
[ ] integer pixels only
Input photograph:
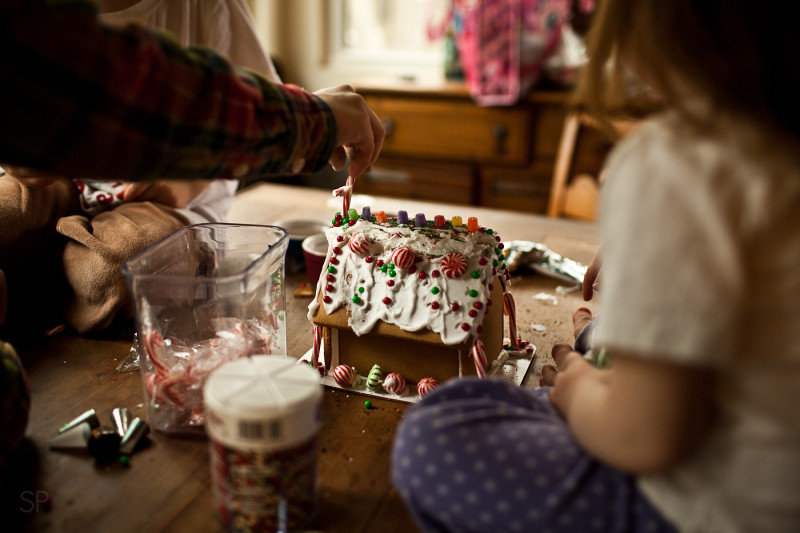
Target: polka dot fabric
[{"x": 487, "y": 456}]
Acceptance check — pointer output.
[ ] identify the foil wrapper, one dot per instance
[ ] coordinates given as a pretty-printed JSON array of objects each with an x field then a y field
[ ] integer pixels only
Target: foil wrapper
[{"x": 539, "y": 258}]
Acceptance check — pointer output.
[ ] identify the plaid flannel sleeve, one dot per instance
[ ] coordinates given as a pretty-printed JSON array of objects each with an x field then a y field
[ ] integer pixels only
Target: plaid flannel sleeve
[{"x": 80, "y": 98}]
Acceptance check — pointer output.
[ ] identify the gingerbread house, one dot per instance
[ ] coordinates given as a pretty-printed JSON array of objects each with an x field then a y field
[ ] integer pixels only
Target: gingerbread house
[{"x": 412, "y": 296}]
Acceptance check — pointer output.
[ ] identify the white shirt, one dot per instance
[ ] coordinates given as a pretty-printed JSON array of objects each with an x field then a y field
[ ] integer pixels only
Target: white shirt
[
  {"x": 701, "y": 266},
  {"x": 225, "y": 26}
]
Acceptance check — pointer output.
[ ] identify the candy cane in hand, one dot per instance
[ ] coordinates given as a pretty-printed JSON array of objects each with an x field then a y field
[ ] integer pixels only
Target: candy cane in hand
[{"x": 346, "y": 193}]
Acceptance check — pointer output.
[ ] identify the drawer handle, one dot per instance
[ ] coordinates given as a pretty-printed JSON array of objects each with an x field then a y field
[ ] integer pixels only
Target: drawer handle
[
  {"x": 500, "y": 137},
  {"x": 388, "y": 125},
  {"x": 505, "y": 188},
  {"x": 385, "y": 175}
]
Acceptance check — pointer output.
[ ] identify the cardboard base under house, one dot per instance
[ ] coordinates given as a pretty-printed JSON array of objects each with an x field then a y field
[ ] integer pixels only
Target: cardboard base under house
[{"x": 511, "y": 365}]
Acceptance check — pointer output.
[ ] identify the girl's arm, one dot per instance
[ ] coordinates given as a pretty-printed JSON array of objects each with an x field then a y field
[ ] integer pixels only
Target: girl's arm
[{"x": 640, "y": 416}]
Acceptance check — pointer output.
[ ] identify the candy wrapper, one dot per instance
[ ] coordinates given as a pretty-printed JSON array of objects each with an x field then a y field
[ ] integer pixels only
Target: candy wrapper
[
  {"x": 174, "y": 373},
  {"x": 538, "y": 257}
]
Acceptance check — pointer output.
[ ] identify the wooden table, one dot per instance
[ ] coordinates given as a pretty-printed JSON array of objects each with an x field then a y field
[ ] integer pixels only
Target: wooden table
[{"x": 167, "y": 485}]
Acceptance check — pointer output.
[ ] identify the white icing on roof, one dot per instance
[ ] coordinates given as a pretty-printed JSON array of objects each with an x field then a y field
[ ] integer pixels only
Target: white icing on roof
[{"x": 418, "y": 298}]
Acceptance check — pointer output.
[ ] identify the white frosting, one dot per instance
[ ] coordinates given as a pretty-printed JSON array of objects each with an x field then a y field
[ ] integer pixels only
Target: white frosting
[{"x": 411, "y": 296}]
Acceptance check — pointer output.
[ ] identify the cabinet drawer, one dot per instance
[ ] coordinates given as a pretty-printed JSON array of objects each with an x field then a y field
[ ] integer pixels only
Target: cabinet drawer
[
  {"x": 454, "y": 130},
  {"x": 523, "y": 189},
  {"x": 438, "y": 182}
]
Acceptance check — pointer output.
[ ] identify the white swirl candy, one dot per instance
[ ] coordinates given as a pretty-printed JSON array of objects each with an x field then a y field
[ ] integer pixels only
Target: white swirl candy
[
  {"x": 394, "y": 383},
  {"x": 344, "y": 375},
  {"x": 426, "y": 385},
  {"x": 403, "y": 257},
  {"x": 454, "y": 265},
  {"x": 359, "y": 243}
]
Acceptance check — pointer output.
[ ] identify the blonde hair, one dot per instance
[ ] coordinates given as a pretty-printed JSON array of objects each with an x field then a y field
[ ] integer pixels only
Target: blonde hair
[{"x": 741, "y": 56}]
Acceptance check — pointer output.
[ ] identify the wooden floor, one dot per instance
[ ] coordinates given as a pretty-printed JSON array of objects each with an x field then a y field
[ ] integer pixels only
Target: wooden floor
[{"x": 167, "y": 487}]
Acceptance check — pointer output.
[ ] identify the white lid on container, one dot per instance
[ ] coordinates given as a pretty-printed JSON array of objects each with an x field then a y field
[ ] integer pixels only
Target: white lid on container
[{"x": 264, "y": 401}]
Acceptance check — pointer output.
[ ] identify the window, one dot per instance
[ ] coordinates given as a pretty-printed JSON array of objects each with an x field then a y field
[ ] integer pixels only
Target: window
[{"x": 388, "y": 31}]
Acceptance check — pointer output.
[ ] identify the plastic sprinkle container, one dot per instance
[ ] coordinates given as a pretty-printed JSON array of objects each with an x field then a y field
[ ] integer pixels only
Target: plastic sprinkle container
[{"x": 263, "y": 417}]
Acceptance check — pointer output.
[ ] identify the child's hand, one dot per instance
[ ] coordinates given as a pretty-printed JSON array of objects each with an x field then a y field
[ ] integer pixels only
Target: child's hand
[
  {"x": 359, "y": 134},
  {"x": 572, "y": 368},
  {"x": 581, "y": 318},
  {"x": 592, "y": 276},
  {"x": 172, "y": 193}
]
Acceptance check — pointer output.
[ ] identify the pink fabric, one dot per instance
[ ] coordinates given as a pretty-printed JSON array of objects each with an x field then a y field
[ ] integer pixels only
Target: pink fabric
[{"x": 503, "y": 44}]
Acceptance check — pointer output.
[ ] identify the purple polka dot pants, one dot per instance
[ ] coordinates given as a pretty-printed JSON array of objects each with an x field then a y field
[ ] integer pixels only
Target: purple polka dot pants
[{"x": 482, "y": 455}]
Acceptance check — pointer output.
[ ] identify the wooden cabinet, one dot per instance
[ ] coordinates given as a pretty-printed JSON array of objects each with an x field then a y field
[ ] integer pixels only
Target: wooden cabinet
[{"x": 441, "y": 146}]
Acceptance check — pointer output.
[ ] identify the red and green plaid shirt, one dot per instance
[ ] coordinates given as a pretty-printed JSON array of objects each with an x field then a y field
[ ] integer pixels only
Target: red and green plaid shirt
[{"x": 80, "y": 98}]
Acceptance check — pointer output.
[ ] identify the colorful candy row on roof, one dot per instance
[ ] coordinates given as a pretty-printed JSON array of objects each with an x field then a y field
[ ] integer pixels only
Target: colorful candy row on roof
[{"x": 381, "y": 217}]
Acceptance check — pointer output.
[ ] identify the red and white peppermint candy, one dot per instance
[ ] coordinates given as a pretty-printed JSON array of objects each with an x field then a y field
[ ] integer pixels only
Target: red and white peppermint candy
[
  {"x": 394, "y": 383},
  {"x": 454, "y": 265},
  {"x": 344, "y": 375},
  {"x": 403, "y": 257},
  {"x": 426, "y": 385},
  {"x": 479, "y": 356},
  {"x": 359, "y": 244}
]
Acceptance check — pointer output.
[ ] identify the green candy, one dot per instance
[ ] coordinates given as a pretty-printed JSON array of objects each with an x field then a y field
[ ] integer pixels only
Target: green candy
[
  {"x": 473, "y": 293},
  {"x": 374, "y": 378}
]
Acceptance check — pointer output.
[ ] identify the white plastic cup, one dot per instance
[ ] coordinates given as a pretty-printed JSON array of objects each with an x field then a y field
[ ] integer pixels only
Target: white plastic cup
[{"x": 263, "y": 417}]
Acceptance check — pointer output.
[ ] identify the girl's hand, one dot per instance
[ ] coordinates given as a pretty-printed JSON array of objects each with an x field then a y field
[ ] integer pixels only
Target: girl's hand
[
  {"x": 581, "y": 318},
  {"x": 572, "y": 369},
  {"x": 592, "y": 276}
]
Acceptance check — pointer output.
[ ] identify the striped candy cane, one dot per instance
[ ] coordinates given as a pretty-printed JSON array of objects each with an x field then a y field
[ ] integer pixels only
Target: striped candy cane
[
  {"x": 346, "y": 193},
  {"x": 479, "y": 356},
  {"x": 317, "y": 331},
  {"x": 155, "y": 350},
  {"x": 510, "y": 309},
  {"x": 503, "y": 283}
]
